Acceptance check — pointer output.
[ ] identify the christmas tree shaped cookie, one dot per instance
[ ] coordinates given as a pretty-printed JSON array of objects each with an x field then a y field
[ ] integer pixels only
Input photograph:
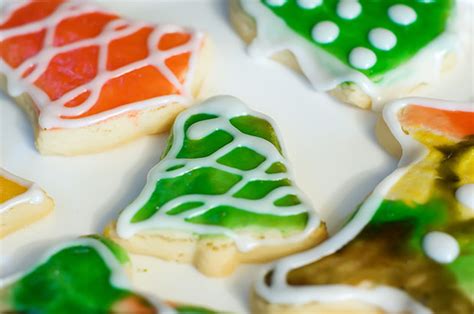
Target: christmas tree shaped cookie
[
  {"x": 409, "y": 248},
  {"x": 90, "y": 79},
  {"x": 83, "y": 276},
  {"x": 21, "y": 203},
  {"x": 360, "y": 50},
  {"x": 221, "y": 195}
]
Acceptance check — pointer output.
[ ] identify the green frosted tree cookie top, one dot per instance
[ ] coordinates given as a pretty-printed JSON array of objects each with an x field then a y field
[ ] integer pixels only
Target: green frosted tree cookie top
[{"x": 222, "y": 171}]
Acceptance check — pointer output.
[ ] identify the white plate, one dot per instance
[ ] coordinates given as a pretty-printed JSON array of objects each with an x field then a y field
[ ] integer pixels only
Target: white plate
[{"x": 331, "y": 146}]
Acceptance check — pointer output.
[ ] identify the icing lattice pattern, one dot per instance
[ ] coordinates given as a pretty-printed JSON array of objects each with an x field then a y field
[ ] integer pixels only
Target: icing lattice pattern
[
  {"x": 74, "y": 57},
  {"x": 236, "y": 180}
]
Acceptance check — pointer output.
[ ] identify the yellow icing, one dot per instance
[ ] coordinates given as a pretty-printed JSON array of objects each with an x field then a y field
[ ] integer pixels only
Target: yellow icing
[
  {"x": 464, "y": 167},
  {"x": 417, "y": 185},
  {"x": 10, "y": 189}
]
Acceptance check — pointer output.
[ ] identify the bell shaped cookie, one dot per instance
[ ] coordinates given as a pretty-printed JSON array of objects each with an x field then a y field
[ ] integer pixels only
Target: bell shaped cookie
[{"x": 222, "y": 194}]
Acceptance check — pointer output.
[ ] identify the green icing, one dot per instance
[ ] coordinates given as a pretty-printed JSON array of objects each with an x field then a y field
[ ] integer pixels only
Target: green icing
[
  {"x": 256, "y": 127},
  {"x": 212, "y": 181},
  {"x": 207, "y": 181},
  {"x": 288, "y": 200},
  {"x": 242, "y": 158},
  {"x": 120, "y": 254},
  {"x": 420, "y": 218},
  {"x": 188, "y": 309},
  {"x": 256, "y": 190},
  {"x": 414, "y": 222},
  {"x": 463, "y": 267},
  {"x": 276, "y": 167},
  {"x": 74, "y": 280},
  {"x": 205, "y": 146},
  {"x": 233, "y": 218},
  {"x": 432, "y": 17}
]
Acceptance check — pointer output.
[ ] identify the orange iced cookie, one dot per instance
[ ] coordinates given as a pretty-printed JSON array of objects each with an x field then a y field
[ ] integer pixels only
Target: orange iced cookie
[
  {"x": 90, "y": 79},
  {"x": 21, "y": 203}
]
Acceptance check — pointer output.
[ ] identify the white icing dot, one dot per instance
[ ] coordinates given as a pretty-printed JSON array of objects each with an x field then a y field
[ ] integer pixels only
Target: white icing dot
[
  {"x": 402, "y": 14},
  {"x": 276, "y": 3},
  {"x": 440, "y": 247},
  {"x": 349, "y": 9},
  {"x": 382, "y": 39},
  {"x": 309, "y": 4},
  {"x": 325, "y": 32},
  {"x": 465, "y": 195},
  {"x": 362, "y": 58}
]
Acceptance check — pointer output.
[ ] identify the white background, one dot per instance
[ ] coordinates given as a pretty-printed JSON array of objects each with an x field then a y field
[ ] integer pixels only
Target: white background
[{"x": 331, "y": 146}]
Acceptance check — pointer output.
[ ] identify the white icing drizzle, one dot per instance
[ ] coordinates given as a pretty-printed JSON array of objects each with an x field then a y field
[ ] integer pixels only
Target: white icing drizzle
[
  {"x": 34, "y": 194},
  {"x": 389, "y": 299},
  {"x": 276, "y": 3},
  {"x": 402, "y": 14},
  {"x": 325, "y": 32},
  {"x": 440, "y": 247},
  {"x": 362, "y": 58},
  {"x": 309, "y": 4},
  {"x": 325, "y": 72},
  {"x": 382, "y": 39},
  {"x": 349, "y": 9},
  {"x": 52, "y": 112},
  {"x": 225, "y": 108},
  {"x": 465, "y": 196}
]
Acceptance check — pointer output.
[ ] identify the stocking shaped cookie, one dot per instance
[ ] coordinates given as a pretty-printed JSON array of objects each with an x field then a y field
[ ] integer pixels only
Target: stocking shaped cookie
[
  {"x": 83, "y": 276},
  {"x": 89, "y": 79},
  {"x": 409, "y": 247},
  {"x": 21, "y": 203},
  {"x": 221, "y": 195},
  {"x": 360, "y": 50}
]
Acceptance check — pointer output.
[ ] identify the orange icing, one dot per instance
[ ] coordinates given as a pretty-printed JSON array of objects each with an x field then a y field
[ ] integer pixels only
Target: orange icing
[
  {"x": 73, "y": 68},
  {"x": 10, "y": 189},
  {"x": 457, "y": 124}
]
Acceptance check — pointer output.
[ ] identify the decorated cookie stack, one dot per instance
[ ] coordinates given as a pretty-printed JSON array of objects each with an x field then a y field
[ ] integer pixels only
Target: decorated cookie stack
[{"x": 223, "y": 192}]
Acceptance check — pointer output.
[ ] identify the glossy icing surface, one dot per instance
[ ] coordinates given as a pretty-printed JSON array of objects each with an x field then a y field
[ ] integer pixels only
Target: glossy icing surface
[
  {"x": 84, "y": 275},
  {"x": 414, "y": 24},
  {"x": 223, "y": 172},
  {"x": 409, "y": 246},
  {"x": 72, "y": 58},
  {"x": 10, "y": 189},
  {"x": 15, "y": 190}
]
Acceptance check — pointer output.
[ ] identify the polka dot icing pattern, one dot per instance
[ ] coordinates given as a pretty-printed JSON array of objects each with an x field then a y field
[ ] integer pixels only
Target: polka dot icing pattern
[
  {"x": 402, "y": 14},
  {"x": 223, "y": 171},
  {"x": 72, "y": 57},
  {"x": 382, "y": 39},
  {"x": 465, "y": 195},
  {"x": 412, "y": 226},
  {"x": 325, "y": 32},
  {"x": 349, "y": 9},
  {"x": 441, "y": 247},
  {"x": 362, "y": 58},
  {"x": 387, "y": 28}
]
